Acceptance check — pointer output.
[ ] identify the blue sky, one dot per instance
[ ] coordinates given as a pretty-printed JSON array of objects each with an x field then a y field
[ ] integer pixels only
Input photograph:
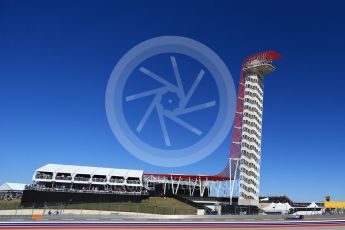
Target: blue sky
[{"x": 57, "y": 56}]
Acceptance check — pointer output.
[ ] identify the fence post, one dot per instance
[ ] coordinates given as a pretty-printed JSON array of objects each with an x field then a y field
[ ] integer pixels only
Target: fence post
[
  {"x": 61, "y": 208},
  {"x": 16, "y": 210},
  {"x": 44, "y": 208}
]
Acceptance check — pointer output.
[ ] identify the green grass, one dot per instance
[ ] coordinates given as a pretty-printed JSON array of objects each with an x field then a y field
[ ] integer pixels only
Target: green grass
[
  {"x": 166, "y": 202},
  {"x": 157, "y": 205},
  {"x": 9, "y": 204}
]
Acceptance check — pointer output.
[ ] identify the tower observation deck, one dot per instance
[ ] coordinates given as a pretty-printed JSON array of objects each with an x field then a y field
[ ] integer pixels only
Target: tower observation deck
[{"x": 245, "y": 150}]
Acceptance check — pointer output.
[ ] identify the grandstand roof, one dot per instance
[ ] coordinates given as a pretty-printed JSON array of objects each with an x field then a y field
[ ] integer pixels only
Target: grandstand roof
[
  {"x": 12, "y": 187},
  {"x": 74, "y": 169}
]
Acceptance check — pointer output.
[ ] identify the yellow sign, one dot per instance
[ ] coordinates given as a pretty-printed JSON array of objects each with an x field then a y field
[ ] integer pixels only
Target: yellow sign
[{"x": 334, "y": 204}]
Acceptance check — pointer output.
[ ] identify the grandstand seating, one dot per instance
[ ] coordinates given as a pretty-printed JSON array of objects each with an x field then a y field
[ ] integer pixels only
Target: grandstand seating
[
  {"x": 81, "y": 174},
  {"x": 67, "y": 181}
]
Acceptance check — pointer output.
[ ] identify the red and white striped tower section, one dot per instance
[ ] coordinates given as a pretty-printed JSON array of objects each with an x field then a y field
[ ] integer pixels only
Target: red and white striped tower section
[{"x": 245, "y": 151}]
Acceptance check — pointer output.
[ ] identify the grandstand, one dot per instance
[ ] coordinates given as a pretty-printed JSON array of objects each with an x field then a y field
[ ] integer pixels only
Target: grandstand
[{"x": 55, "y": 182}]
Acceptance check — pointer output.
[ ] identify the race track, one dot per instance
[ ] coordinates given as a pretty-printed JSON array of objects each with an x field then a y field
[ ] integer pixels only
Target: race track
[{"x": 308, "y": 224}]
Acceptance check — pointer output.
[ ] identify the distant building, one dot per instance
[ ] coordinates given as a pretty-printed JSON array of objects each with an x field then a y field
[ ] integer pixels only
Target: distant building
[{"x": 11, "y": 190}]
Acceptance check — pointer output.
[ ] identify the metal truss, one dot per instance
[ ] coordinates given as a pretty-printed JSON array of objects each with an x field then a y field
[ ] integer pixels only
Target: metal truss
[{"x": 191, "y": 183}]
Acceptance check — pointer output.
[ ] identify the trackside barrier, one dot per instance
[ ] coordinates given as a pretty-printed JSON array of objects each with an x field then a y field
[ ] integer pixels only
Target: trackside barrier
[{"x": 54, "y": 209}]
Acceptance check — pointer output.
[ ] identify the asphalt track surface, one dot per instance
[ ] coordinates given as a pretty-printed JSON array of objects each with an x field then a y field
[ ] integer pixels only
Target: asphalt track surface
[{"x": 295, "y": 224}]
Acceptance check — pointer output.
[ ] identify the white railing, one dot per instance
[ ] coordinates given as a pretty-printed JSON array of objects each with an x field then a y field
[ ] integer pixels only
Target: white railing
[
  {"x": 46, "y": 177},
  {"x": 71, "y": 190}
]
